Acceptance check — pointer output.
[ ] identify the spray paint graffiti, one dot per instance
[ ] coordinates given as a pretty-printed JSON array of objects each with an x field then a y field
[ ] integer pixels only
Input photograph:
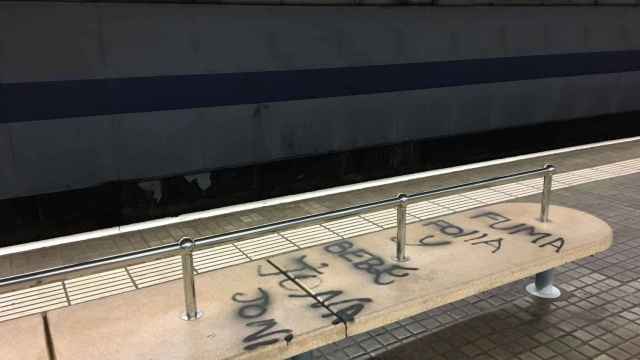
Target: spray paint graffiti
[
  {"x": 364, "y": 260},
  {"x": 253, "y": 309}
]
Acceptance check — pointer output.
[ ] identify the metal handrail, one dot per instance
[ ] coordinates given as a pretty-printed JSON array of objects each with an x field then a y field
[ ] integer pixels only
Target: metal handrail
[{"x": 186, "y": 246}]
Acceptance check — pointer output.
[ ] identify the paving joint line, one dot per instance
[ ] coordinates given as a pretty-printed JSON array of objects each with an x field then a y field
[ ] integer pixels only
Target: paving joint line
[
  {"x": 333, "y": 232},
  {"x": 133, "y": 281},
  {"x": 370, "y": 222},
  {"x": 289, "y": 240},
  {"x": 66, "y": 293},
  {"x": 310, "y": 293},
  {"x": 242, "y": 252},
  {"x": 51, "y": 353}
]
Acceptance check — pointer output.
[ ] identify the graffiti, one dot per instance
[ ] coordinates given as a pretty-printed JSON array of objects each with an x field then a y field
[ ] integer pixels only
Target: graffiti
[
  {"x": 473, "y": 237},
  {"x": 363, "y": 260},
  {"x": 338, "y": 307},
  {"x": 265, "y": 325},
  {"x": 427, "y": 241},
  {"x": 254, "y": 308},
  {"x": 344, "y": 309},
  {"x": 448, "y": 228},
  {"x": 501, "y": 223},
  {"x": 476, "y": 237},
  {"x": 495, "y": 244},
  {"x": 302, "y": 270}
]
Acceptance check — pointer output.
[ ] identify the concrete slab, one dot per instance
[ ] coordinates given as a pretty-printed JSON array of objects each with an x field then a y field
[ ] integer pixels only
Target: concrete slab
[
  {"x": 451, "y": 258},
  {"x": 249, "y": 313},
  {"x": 23, "y": 339}
]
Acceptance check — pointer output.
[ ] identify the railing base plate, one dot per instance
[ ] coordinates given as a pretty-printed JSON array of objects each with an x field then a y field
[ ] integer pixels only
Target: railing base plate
[
  {"x": 549, "y": 292},
  {"x": 304, "y": 356},
  {"x": 188, "y": 318}
]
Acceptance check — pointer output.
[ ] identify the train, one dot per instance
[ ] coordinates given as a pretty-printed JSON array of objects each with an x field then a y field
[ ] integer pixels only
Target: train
[{"x": 99, "y": 93}]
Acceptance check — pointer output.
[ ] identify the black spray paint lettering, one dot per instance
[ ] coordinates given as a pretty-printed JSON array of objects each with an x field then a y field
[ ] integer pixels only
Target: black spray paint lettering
[
  {"x": 448, "y": 228},
  {"x": 521, "y": 228},
  {"x": 345, "y": 310},
  {"x": 456, "y": 231},
  {"x": 557, "y": 243},
  {"x": 302, "y": 270},
  {"x": 495, "y": 244},
  {"x": 253, "y": 308},
  {"x": 425, "y": 241},
  {"x": 530, "y": 231},
  {"x": 372, "y": 264},
  {"x": 497, "y": 218},
  {"x": 263, "y": 332}
]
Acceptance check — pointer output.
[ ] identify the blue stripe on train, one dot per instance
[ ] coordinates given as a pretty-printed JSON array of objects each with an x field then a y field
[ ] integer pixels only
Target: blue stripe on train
[{"x": 61, "y": 99}]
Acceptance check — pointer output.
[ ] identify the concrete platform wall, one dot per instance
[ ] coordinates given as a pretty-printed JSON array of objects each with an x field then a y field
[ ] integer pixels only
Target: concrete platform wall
[{"x": 56, "y": 44}]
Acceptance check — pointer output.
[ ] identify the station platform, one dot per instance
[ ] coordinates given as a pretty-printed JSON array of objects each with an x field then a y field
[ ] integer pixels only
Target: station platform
[{"x": 598, "y": 317}]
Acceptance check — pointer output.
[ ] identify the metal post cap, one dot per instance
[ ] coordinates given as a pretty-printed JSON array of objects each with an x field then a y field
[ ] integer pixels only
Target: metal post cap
[
  {"x": 186, "y": 244},
  {"x": 550, "y": 168}
]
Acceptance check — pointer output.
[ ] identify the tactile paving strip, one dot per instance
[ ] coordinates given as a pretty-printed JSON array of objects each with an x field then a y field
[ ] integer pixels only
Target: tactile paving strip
[
  {"x": 387, "y": 218},
  {"x": 516, "y": 189},
  {"x": 31, "y": 301},
  {"x": 457, "y": 202},
  {"x": 424, "y": 210},
  {"x": 99, "y": 285},
  {"x": 156, "y": 272},
  {"x": 488, "y": 196},
  {"x": 264, "y": 246},
  {"x": 218, "y": 257},
  {"x": 310, "y": 236},
  {"x": 352, "y": 226}
]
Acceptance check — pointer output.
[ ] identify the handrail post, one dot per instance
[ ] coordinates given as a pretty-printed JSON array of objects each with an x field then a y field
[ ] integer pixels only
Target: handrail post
[
  {"x": 191, "y": 307},
  {"x": 543, "y": 286},
  {"x": 546, "y": 193},
  {"x": 401, "y": 237}
]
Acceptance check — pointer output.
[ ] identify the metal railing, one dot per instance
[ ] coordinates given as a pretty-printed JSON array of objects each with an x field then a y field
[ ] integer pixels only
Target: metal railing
[{"x": 186, "y": 246}]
